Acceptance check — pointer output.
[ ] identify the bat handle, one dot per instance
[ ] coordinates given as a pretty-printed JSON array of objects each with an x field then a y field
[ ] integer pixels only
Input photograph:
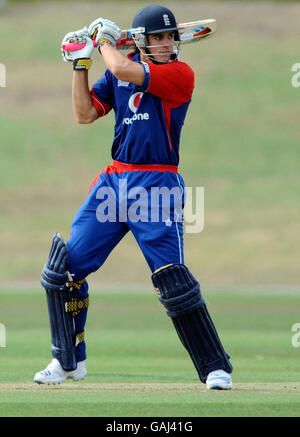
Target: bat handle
[{"x": 72, "y": 46}]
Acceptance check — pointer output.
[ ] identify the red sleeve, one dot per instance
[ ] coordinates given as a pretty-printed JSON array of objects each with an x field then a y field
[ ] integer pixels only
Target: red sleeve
[
  {"x": 172, "y": 81},
  {"x": 102, "y": 108}
]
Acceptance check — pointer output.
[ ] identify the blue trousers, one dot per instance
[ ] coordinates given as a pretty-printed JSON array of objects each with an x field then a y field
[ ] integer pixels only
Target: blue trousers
[{"x": 147, "y": 203}]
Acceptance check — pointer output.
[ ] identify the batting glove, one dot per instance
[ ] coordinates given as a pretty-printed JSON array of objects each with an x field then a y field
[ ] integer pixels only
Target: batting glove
[
  {"x": 81, "y": 57},
  {"x": 103, "y": 30}
]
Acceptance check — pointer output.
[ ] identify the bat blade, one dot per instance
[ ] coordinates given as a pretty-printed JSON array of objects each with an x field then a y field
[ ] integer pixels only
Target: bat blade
[{"x": 194, "y": 31}]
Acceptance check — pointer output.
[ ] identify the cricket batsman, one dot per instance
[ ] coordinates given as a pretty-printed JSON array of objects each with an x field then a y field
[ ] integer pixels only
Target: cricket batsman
[{"x": 149, "y": 91}]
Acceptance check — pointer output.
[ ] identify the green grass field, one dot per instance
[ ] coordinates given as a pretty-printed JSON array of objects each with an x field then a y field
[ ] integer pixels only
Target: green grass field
[
  {"x": 137, "y": 366},
  {"x": 240, "y": 142}
]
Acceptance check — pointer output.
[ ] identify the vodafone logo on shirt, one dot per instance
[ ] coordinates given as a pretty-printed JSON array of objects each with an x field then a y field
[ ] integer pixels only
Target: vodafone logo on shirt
[
  {"x": 134, "y": 101},
  {"x": 133, "y": 104}
]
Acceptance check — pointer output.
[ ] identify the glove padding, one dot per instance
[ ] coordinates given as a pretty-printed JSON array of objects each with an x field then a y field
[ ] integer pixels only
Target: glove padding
[
  {"x": 80, "y": 36},
  {"x": 103, "y": 28}
]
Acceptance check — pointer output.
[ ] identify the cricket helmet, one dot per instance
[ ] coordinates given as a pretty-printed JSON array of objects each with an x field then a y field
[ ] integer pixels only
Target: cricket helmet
[{"x": 154, "y": 19}]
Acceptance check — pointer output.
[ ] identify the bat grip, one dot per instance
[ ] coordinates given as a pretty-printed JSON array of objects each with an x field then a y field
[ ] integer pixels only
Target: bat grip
[{"x": 72, "y": 46}]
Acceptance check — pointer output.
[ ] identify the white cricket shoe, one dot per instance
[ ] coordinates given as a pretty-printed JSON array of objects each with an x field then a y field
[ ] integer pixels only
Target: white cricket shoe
[
  {"x": 55, "y": 374},
  {"x": 218, "y": 380}
]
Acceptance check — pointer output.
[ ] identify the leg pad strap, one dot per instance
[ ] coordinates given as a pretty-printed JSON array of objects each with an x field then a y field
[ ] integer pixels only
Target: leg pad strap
[{"x": 75, "y": 305}]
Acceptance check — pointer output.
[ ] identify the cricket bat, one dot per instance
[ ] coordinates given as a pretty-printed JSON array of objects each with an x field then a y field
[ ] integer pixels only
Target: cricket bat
[{"x": 193, "y": 31}]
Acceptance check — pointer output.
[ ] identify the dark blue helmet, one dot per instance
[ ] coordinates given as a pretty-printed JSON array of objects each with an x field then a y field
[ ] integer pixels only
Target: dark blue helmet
[{"x": 156, "y": 19}]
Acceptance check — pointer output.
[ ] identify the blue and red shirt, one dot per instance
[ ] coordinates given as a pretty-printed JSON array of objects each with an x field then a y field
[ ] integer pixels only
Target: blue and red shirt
[{"x": 148, "y": 118}]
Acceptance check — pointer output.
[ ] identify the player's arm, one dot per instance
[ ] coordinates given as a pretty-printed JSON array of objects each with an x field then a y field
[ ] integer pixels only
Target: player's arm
[
  {"x": 83, "y": 109},
  {"x": 121, "y": 67},
  {"x": 106, "y": 33}
]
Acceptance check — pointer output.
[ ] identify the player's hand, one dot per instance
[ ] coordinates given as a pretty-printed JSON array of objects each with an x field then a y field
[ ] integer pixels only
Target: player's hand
[
  {"x": 80, "y": 36},
  {"x": 104, "y": 29}
]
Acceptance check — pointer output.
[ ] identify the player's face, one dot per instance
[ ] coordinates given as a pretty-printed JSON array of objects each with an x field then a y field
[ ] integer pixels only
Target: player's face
[{"x": 164, "y": 44}]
